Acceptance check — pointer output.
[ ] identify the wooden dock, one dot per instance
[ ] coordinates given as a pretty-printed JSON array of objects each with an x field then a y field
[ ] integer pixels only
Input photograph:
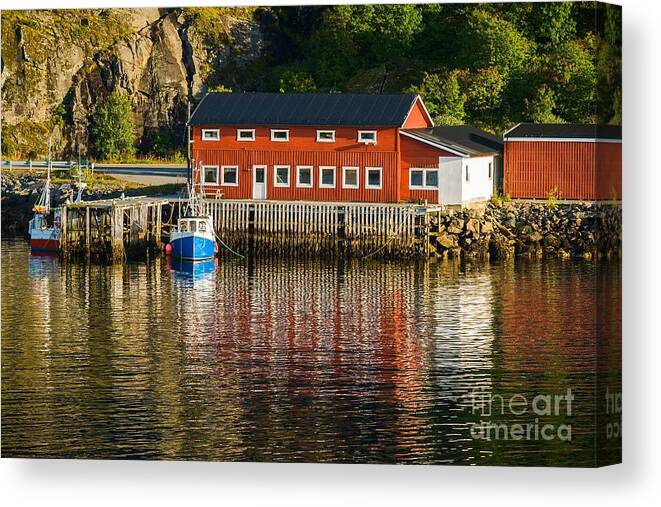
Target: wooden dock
[
  {"x": 118, "y": 228},
  {"x": 113, "y": 229}
]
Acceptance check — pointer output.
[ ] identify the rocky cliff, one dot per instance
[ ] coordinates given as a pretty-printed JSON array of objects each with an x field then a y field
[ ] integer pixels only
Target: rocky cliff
[{"x": 58, "y": 65}]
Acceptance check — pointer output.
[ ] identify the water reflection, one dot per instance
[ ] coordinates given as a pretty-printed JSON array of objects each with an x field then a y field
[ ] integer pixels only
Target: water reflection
[{"x": 294, "y": 361}]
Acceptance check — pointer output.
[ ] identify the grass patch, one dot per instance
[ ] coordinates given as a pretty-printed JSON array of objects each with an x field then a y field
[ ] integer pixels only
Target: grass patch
[{"x": 500, "y": 199}]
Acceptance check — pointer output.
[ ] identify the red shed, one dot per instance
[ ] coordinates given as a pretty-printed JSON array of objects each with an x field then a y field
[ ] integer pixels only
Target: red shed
[
  {"x": 572, "y": 161},
  {"x": 317, "y": 147}
]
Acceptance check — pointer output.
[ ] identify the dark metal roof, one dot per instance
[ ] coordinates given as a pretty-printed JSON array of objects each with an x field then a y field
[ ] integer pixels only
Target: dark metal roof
[
  {"x": 566, "y": 130},
  {"x": 462, "y": 138},
  {"x": 315, "y": 109}
]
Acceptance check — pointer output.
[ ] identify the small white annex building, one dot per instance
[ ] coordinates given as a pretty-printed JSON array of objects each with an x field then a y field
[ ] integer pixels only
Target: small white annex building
[{"x": 469, "y": 163}]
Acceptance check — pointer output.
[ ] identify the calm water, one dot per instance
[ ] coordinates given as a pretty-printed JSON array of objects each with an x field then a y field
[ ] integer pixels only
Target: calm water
[{"x": 303, "y": 361}]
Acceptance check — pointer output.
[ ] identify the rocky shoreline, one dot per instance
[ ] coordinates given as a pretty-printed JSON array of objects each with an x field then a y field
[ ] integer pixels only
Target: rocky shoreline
[
  {"x": 525, "y": 229},
  {"x": 502, "y": 230}
]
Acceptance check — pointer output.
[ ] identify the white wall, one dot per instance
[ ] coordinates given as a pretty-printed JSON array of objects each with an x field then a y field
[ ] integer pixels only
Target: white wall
[
  {"x": 453, "y": 187},
  {"x": 449, "y": 180},
  {"x": 480, "y": 186}
]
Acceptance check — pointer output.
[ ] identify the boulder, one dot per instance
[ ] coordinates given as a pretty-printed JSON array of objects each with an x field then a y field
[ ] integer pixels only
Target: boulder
[
  {"x": 473, "y": 226},
  {"x": 447, "y": 241}
]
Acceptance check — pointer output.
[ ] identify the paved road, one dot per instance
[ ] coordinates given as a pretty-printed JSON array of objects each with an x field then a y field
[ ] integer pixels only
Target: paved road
[{"x": 146, "y": 174}]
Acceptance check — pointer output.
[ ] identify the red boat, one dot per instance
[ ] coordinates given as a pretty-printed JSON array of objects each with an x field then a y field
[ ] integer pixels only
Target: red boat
[{"x": 45, "y": 227}]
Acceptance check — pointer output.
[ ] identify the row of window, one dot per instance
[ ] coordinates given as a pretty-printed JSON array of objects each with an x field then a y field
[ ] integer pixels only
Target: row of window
[
  {"x": 419, "y": 179},
  {"x": 327, "y": 177},
  {"x": 282, "y": 135}
]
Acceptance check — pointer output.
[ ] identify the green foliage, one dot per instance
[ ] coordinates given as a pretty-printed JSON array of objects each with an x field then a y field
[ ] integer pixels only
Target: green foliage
[
  {"x": 540, "y": 108},
  {"x": 492, "y": 65},
  {"x": 553, "y": 196},
  {"x": 573, "y": 79},
  {"x": 500, "y": 199},
  {"x": 59, "y": 115},
  {"x": 219, "y": 89},
  {"x": 113, "y": 128},
  {"x": 212, "y": 22},
  {"x": 296, "y": 82},
  {"x": 484, "y": 95},
  {"x": 546, "y": 23},
  {"x": 490, "y": 41},
  {"x": 609, "y": 65}
]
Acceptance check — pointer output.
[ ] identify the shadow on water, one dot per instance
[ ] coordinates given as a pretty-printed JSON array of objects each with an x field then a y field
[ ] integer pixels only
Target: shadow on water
[{"x": 282, "y": 360}]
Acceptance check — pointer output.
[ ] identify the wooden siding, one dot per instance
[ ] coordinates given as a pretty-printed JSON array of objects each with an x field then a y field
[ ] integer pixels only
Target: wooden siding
[
  {"x": 246, "y": 159},
  {"x": 609, "y": 170},
  {"x": 302, "y": 149},
  {"x": 579, "y": 170},
  {"x": 300, "y": 138},
  {"x": 418, "y": 118}
]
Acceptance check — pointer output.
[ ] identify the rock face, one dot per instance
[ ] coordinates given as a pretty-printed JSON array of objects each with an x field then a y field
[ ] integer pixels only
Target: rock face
[{"x": 59, "y": 65}]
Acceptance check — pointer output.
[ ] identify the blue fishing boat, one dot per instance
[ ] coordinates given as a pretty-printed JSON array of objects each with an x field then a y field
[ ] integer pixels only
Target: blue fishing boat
[{"x": 194, "y": 238}]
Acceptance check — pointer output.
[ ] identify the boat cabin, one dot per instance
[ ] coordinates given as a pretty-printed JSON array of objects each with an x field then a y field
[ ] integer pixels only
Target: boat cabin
[{"x": 194, "y": 224}]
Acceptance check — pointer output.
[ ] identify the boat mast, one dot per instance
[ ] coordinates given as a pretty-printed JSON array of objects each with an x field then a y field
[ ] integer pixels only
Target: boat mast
[
  {"x": 47, "y": 187},
  {"x": 189, "y": 172}
]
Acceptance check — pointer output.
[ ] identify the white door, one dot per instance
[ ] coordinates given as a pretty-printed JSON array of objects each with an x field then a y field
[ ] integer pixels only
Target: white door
[{"x": 259, "y": 182}]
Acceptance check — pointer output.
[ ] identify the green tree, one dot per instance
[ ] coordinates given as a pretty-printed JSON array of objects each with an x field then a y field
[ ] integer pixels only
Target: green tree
[{"x": 113, "y": 128}]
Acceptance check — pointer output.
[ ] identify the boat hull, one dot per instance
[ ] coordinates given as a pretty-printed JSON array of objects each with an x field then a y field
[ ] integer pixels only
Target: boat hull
[
  {"x": 44, "y": 240},
  {"x": 193, "y": 247}
]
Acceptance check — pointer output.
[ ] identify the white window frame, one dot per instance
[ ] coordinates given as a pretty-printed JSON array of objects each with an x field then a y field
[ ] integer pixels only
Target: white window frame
[
  {"x": 245, "y": 139},
  {"x": 298, "y": 176},
  {"x": 204, "y": 172},
  {"x": 204, "y": 132},
  {"x": 424, "y": 185},
  {"x": 320, "y": 140},
  {"x": 367, "y": 179},
  {"x": 360, "y": 135},
  {"x": 321, "y": 170},
  {"x": 273, "y": 131},
  {"x": 275, "y": 176},
  {"x": 490, "y": 173},
  {"x": 222, "y": 175},
  {"x": 344, "y": 177}
]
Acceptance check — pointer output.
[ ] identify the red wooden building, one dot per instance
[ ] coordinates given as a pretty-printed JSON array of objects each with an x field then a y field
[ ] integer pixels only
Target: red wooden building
[
  {"x": 331, "y": 147},
  {"x": 570, "y": 161}
]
